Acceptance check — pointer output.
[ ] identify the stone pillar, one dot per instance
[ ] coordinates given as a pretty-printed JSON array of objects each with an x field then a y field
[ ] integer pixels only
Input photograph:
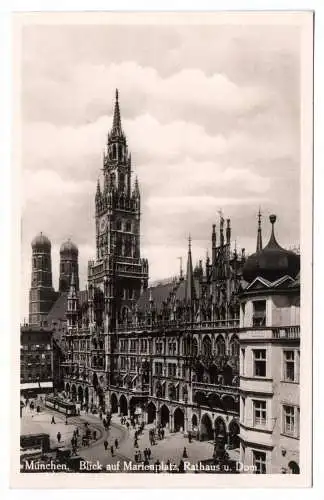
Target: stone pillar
[{"x": 171, "y": 422}]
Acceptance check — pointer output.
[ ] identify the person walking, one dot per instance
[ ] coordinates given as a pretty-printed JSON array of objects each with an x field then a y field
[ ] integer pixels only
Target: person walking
[
  {"x": 58, "y": 435},
  {"x": 106, "y": 444},
  {"x": 53, "y": 420},
  {"x": 181, "y": 466},
  {"x": 116, "y": 443},
  {"x": 112, "y": 450},
  {"x": 185, "y": 454}
]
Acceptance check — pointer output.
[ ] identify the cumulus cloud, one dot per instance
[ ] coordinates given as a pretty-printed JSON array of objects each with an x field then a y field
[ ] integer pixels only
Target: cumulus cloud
[{"x": 211, "y": 116}]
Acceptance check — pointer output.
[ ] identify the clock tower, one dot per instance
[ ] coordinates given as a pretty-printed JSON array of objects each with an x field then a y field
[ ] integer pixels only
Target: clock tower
[{"x": 119, "y": 274}]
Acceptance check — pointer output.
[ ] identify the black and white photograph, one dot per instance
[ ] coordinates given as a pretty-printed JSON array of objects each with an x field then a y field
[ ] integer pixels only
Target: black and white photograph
[{"x": 165, "y": 194}]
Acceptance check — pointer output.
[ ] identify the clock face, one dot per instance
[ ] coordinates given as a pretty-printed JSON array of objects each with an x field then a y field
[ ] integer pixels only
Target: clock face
[{"x": 102, "y": 224}]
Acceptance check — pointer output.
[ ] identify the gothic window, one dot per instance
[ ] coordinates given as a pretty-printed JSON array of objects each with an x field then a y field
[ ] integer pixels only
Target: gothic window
[
  {"x": 118, "y": 225},
  {"x": 234, "y": 346},
  {"x": 194, "y": 347},
  {"x": 206, "y": 347},
  {"x": 220, "y": 346},
  {"x": 128, "y": 227}
]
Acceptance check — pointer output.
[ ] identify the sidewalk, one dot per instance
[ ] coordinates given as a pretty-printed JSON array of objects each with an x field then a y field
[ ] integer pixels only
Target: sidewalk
[{"x": 36, "y": 423}]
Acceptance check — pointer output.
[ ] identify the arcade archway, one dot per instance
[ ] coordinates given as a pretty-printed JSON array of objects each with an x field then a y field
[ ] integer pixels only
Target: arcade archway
[
  {"x": 194, "y": 421},
  {"x": 73, "y": 393},
  {"x": 293, "y": 468},
  {"x": 234, "y": 431},
  {"x": 80, "y": 394},
  {"x": 206, "y": 428},
  {"x": 151, "y": 413},
  {"x": 114, "y": 403},
  {"x": 123, "y": 405},
  {"x": 67, "y": 388},
  {"x": 165, "y": 415},
  {"x": 220, "y": 427},
  {"x": 178, "y": 419},
  {"x": 86, "y": 395}
]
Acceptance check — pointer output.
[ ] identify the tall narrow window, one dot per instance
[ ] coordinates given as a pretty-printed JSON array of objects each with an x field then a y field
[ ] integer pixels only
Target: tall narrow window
[
  {"x": 259, "y": 462},
  {"x": 289, "y": 420},
  {"x": 260, "y": 412},
  {"x": 259, "y": 313},
  {"x": 260, "y": 363},
  {"x": 289, "y": 366}
]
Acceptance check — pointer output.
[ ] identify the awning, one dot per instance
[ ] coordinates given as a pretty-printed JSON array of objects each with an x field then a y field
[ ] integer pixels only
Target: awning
[{"x": 36, "y": 385}]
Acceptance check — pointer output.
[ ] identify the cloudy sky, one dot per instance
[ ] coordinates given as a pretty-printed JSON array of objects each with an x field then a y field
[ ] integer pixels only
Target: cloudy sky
[{"x": 211, "y": 114}]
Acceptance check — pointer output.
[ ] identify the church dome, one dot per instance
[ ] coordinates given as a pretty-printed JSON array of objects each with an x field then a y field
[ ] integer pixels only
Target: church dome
[
  {"x": 69, "y": 247},
  {"x": 41, "y": 242},
  {"x": 272, "y": 262}
]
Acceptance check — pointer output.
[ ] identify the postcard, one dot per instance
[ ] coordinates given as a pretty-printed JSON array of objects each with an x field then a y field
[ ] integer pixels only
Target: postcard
[{"x": 165, "y": 325}]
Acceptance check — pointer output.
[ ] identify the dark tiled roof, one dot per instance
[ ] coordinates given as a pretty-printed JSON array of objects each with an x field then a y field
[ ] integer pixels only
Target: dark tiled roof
[
  {"x": 57, "y": 313},
  {"x": 164, "y": 292}
]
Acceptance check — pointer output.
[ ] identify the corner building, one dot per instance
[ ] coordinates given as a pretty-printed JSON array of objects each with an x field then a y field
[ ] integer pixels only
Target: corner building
[
  {"x": 168, "y": 354},
  {"x": 270, "y": 360}
]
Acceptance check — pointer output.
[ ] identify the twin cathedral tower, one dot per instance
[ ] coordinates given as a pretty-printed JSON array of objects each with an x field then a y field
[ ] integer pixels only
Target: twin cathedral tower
[{"x": 118, "y": 275}]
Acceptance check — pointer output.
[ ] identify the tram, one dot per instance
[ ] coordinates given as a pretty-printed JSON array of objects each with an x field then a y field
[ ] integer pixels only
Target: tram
[{"x": 57, "y": 404}]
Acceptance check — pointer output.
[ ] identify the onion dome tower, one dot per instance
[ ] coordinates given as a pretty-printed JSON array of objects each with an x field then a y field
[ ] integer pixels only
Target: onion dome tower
[
  {"x": 69, "y": 265},
  {"x": 41, "y": 294},
  {"x": 272, "y": 262}
]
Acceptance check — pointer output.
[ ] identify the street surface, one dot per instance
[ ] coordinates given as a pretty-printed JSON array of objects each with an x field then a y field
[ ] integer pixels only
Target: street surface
[{"x": 170, "y": 448}]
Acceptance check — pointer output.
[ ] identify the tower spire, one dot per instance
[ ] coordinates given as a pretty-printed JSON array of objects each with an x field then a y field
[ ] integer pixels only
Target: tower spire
[
  {"x": 116, "y": 128},
  {"x": 189, "y": 290},
  {"x": 259, "y": 237}
]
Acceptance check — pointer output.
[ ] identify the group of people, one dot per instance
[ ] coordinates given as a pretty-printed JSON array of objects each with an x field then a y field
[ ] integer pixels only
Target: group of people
[
  {"x": 159, "y": 432},
  {"x": 112, "y": 451}
]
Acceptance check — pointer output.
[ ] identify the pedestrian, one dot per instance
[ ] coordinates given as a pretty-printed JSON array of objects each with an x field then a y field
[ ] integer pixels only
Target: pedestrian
[
  {"x": 116, "y": 443},
  {"x": 185, "y": 454},
  {"x": 77, "y": 431},
  {"x": 58, "y": 435},
  {"x": 106, "y": 444},
  {"x": 94, "y": 435},
  {"x": 157, "y": 466},
  {"x": 53, "y": 420},
  {"x": 189, "y": 437},
  {"x": 149, "y": 453},
  {"x": 162, "y": 433},
  {"x": 127, "y": 425},
  {"x": 112, "y": 450},
  {"x": 135, "y": 443},
  {"x": 100, "y": 415},
  {"x": 181, "y": 466},
  {"x": 136, "y": 457},
  {"x": 66, "y": 419},
  {"x": 139, "y": 456}
]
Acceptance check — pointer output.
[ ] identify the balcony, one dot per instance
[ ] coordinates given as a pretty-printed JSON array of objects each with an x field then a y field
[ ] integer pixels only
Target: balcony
[
  {"x": 183, "y": 325},
  {"x": 224, "y": 389},
  {"x": 271, "y": 333},
  {"x": 287, "y": 332}
]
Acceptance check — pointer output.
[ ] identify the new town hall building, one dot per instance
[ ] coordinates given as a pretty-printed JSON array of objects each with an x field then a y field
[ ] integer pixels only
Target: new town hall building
[{"x": 186, "y": 353}]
